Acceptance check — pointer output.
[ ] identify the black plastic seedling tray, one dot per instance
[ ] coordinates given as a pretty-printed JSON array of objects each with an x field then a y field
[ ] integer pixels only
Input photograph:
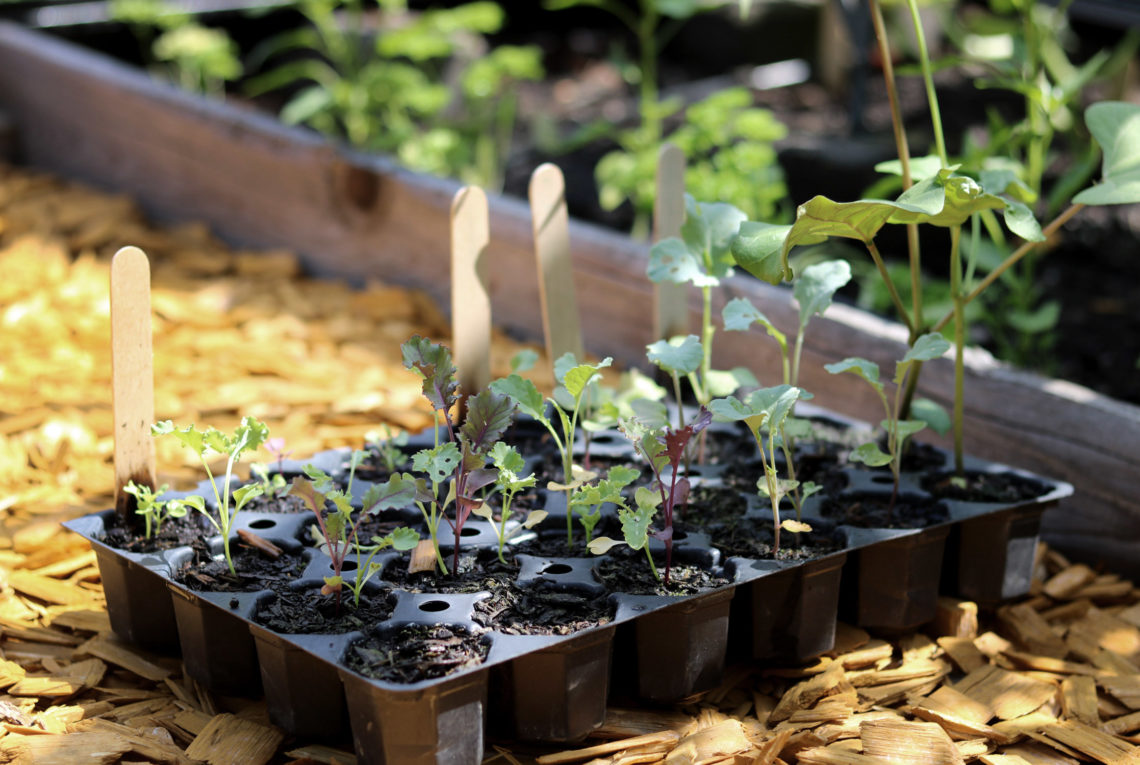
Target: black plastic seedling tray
[{"x": 555, "y": 688}]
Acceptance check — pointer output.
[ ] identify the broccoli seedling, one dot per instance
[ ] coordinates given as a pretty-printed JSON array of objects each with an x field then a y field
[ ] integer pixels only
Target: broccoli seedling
[
  {"x": 509, "y": 463},
  {"x": 154, "y": 510}
]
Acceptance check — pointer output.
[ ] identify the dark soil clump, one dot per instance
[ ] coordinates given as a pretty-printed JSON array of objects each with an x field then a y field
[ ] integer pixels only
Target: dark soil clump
[
  {"x": 627, "y": 571},
  {"x": 306, "y": 611},
  {"x": 176, "y": 532},
  {"x": 416, "y": 653},
  {"x": 542, "y": 610},
  {"x": 873, "y": 511},
  {"x": 255, "y": 570}
]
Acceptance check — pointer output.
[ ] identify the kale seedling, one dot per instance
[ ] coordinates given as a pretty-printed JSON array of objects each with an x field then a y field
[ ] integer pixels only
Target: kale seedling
[
  {"x": 767, "y": 409},
  {"x": 586, "y": 499},
  {"x": 568, "y": 400},
  {"x": 247, "y": 437},
  {"x": 154, "y": 510},
  {"x": 336, "y": 529},
  {"x": 634, "y": 526},
  {"x": 465, "y": 453},
  {"x": 928, "y": 347},
  {"x": 388, "y": 449},
  {"x": 660, "y": 448},
  {"x": 509, "y": 463}
]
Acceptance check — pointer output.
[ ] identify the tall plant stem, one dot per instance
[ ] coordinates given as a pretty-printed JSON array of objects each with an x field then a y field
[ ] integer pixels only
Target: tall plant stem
[
  {"x": 1010, "y": 261},
  {"x": 900, "y": 307},
  {"x": 959, "y": 344},
  {"x": 928, "y": 81}
]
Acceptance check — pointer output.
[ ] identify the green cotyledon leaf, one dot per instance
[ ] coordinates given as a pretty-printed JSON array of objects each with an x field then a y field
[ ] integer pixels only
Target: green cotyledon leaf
[{"x": 1116, "y": 127}]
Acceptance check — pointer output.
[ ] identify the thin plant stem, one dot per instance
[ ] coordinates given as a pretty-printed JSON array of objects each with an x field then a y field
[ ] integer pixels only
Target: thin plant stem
[
  {"x": 959, "y": 344},
  {"x": 895, "y": 297},
  {"x": 928, "y": 81},
  {"x": 1011, "y": 260}
]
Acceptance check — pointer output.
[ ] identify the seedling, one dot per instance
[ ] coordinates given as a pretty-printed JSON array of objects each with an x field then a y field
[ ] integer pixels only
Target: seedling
[
  {"x": 509, "y": 463},
  {"x": 661, "y": 448},
  {"x": 388, "y": 449},
  {"x": 247, "y": 437},
  {"x": 273, "y": 485},
  {"x": 586, "y": 499},
  {"x": 634, "y": 526},
  {"x": 568, "y": 400},
  {"x": 336, "y": 529},
  {"x": 929, "y": 346},
  {"x": 155, "y": 511},
  {"x": 459, "y": 462},
  {"x": 702, "y": 256},
  {"x": 814, "y": 289},
  {"x": 767, "y": 409}
]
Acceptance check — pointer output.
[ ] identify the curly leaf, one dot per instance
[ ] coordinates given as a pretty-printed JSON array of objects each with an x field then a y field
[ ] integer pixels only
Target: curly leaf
[
  {"x": 433, "y": 362},
  {"x": 398, "y": 491},
  {"x": 438, "y": 462},
  {"x": 676, "y": 439},
  {"x": 489, "y": 414},
  {"x": 524, "y": 393}
]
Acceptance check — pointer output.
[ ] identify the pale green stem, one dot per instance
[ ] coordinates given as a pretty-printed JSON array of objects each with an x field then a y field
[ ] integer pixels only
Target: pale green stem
[
  {"x": 928, "y": 80},
  {"x": 896, "y": 299},
  {"x": 959, "y": 343}
]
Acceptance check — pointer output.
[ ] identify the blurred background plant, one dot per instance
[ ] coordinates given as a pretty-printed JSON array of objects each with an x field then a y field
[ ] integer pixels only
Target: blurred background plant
[
  {"x": 727, "y": 142},
  {"x": 178, "y": 47},
  {"x": 425, "y": 87}
]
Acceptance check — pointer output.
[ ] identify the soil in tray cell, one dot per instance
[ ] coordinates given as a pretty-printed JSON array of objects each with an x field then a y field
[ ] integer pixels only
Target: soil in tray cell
[
  {"x": 977, "y": 486},
  {"x": 875, "y": 511},
  {"x": 307, "y": 611},
  {"x": 542, "y": 610},
  {"x": 255, "y": 570},
  {"x": 175, "y": 532},
  {"x": 627, "y": 571},
  {"x": 416, "y": 653},
  {"x": 287, "y": 505}
]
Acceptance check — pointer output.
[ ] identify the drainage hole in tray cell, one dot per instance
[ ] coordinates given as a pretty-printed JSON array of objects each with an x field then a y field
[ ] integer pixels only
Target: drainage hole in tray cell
[
  {"x": 348, "y": 565},
  {"x": 556, "y": 569},
  {"x": 263, "y": 523},
  {"x": 678, "y": 535},
  {"x": 469, "y": 532},
  {"x": 435, "y": 606},
  {"x": 882, "y": 479}
]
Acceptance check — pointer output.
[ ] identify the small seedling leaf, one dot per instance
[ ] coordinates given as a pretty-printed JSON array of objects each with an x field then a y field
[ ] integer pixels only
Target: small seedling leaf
[
  {"x": 602, "y": 545},
  {"x": 524, "y": 360},
  {"x": 708, "y": 231},
  {"x": 817, "y": 285},
  {"x": 681, "y": 355},
  {"x": 438, "y": 462},
  {"x": 932, "y": 413},
  {"x": 671, "y": 260},
  {"x": 930, "y": 346},
  {"x": 433, "y": 362},
  {"x": 870, "y": 454},
  {"x": 758, "y": 248},
  {"x": 524, "y": 393},
  {"x": 795, "y": 527},
  {"x": 1116, "y": 127},
  {"x": 868, "y": 370},
  {"x": 1020, "y": 220},
  {"x": 533, "y": 518},
  {"x": 489, "y": 414},
  {"x": 582, "y": 375},
  {"x": 404, "y": 538},
  {"x": 908, "y": 428}
]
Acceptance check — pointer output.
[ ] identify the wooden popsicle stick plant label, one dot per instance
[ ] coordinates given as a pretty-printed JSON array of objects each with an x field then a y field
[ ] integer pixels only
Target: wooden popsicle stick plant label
[
  {"x": 551, "y": 223},
  {"x": 470, "y": 299},
  {"x": 670, "y": 300},
  {"x": 132, "y": 374}
]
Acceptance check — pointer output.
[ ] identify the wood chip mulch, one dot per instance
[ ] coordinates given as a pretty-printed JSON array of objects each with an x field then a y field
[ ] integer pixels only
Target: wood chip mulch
[{"x": 1052, "y": 679}]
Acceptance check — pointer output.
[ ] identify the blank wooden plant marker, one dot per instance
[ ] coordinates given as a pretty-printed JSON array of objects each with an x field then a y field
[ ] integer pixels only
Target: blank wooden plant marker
[
  {"x": 671, "y": 301},
  {"x": 470, "y": 301},
  {"x": 551, "y": 224},
  {"x": 132, "y": 373}
]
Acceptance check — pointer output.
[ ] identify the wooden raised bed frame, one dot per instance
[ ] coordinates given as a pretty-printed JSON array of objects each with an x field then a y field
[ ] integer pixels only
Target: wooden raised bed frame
[{"x": 355, "y": 216}]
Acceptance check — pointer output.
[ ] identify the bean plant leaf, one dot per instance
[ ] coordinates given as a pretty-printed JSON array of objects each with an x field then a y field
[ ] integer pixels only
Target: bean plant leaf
[
  {"x": 1116, "y": 127},
  {"x": 870, "y": 454},
  {"x": 679, "y": 355},
  {"x": 433, "y": 362},
  {"x": 932, "y": 413},
  {"x": 524, "y": 393},
  {"x": 489, "y": 414},
  {"x": 758, "y": 248},
  {"x": 817, "y": 285},
  {"x": 1021, "y": 221}
]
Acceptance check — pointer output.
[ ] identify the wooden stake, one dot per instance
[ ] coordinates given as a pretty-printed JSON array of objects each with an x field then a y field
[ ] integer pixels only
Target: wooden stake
[
  {"x": 470, "y": 299},
  {"x": 551, "y": 223},
  {"x": 671, "y": 301},
  {"x": 132, "y": 374}
]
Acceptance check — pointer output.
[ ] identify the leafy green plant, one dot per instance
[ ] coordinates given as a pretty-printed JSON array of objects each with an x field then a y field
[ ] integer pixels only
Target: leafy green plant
[
  {"x": 336, "y": 528},
  {"x": 662, "y": 448},
  {"x": 701, "y": 256},
  {"x": 767, "y": 409},
  {"x": 898, "y": 429},
  {"x": 154, "y": 511},
  {"x": 509, "y": 464},
  {"x": 249, "y": 435},
  {"x": 392, "y": 95},
  {"x": 196, "y": 57},
  {"x": 459, "y": 463},
  {"x": 388, "y": 448},
  {"x": 575, "y": 383},
  {"x": 586, "y": 499}
]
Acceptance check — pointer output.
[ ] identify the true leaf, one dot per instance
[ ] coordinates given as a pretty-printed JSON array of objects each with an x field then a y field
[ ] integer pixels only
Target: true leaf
[
  {"x": 723, "y": 382},
  {"x": 708, "y": 230},
  {"x": 680, "y": 355},
  {"x": 870, "y": 454},
  {"x": 404, "y": 538},
  {"x": 908, "y": 428},
  {"x": 1116, "y": 127},
  {"x": 398, "y": 491},
  {"x": 928, "y": 347},
  {"x": 507, "y": 458},
  {"x": 935, "y": 417},
  {"x": 433, "y": 362},
  {"x": 524, "y": 393},
  {"x": 489, "y": 414},
  {"x": 438, "y": 462},
  {"x": 582, "y": 375},
  {"x": 868, "y": 370},
  {"x": 671, "y": 260},
  {"x": 817, "y": 285},
  {"x": 758, "y": 248}
]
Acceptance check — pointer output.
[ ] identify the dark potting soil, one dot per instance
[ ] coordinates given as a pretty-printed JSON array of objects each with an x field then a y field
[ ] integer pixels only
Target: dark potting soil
[
  {"x": 984, "y": 487},
  {"x": 417, "y": 652},
  {"x": 542, "y": 610},
  {"x": 255, "y": 570},
  {"x": 175, "y": 532},
  {"x": 306, "y": 611},
  {"x": 287, "y": 504},
  {"x": 918, "y": 457},
  {"x": 627, "y": 571},
  {"x": 873, "y": 511},
  {"x": 723, "y": 514},
  {"x": 478, "y": 571}
]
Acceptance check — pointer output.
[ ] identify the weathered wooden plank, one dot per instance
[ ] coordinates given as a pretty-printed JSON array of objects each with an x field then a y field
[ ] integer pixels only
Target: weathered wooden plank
[{"x": 357, "y": 216}]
